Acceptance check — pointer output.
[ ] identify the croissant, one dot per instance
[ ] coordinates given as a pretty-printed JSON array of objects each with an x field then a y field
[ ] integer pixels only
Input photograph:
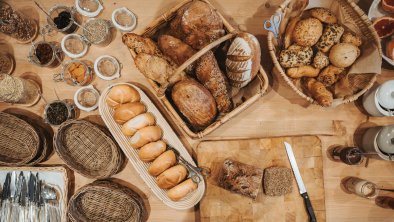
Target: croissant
[{"x": 319, "y": 92}]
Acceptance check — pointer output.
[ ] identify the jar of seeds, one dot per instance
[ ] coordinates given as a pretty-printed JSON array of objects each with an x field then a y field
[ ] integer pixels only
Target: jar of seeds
[
  {"x": 17, "y": 90},
  {"x": 360, "y": 187},
  {"x": 45, "y": 54},
  {"x": 98, "y": 32},
  {"x": 62, "y": 19},
  {"x": 7, "y": 63},
  {"x": 16, "y": 25},
  {"x": 59, "y": 111},
  {"x": 75, "y": 73}
]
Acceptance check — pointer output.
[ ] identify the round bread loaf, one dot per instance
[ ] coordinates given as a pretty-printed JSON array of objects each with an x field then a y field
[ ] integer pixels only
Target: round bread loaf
[
  {"x": 243, "y": 59},
  {"x": 324, "y": 15},
  {"x": 343, "y": 55},
  {"x": 122, "y": 94},
  {"x": 195, "y": 103},
  {"x": 307, "y": 32}
]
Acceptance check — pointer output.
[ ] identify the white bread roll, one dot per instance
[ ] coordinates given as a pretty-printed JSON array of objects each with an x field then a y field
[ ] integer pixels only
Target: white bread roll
[
  {"x": 127, "y": 111},
  {"x": 181, "y": 190},
  {"x": 171, "y": 177},
  {"x": 138, "y": 122},
  {"x": 152, "y": 150},
  {"x": 122, "y": 94},
  {"x": 161, "y": 163},
  {"x": 146, "y": 135}
]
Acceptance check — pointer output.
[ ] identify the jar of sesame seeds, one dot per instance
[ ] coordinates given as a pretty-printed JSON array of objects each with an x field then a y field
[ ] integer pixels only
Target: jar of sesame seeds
[{"x": 98, "y": 32}]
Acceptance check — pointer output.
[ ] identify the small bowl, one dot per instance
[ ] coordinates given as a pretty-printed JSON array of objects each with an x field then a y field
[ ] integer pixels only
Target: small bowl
[
  {"x": 112, "y": 65},
  {"x": 84, "y": 103}
]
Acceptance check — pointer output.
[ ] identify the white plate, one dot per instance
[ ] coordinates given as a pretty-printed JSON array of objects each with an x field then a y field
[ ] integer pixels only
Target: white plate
[
  {"x": 376, "y": 11},
  {"x": 169, "y": 137}
]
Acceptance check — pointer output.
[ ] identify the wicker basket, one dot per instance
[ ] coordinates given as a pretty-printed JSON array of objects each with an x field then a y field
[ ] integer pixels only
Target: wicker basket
[
  {"x": 87, "y": 150},
  {"x": 365, "y": 27},
  {"x": 255, "y": 89},
  {"x": 103, "y": 201},
  {"x": 19, "y": 141}
]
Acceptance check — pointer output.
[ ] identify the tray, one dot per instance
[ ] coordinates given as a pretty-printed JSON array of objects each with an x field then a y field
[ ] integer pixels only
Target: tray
[
  {"x": 169, "y": 137},
  {"x": 56, "y": 175}
]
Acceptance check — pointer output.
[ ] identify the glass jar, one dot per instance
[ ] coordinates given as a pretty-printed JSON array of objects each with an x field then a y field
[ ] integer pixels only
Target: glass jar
[
  {"x": 87, "y": 98},
  {"x": 45, "y": 54},
  {"x": 75, "y": 73},
  {"x": 7, "y": 64},
  {"x": 348, "y": 155},
  {"x": 107, "y": 67},
  {"x": 362, "y": 188},
  {"x": 124, "y": 19},
  {"x": 98, "y": 32},
  {"x": 16, "y": 25},
  {"x": 62, "y": 19},
  {"x": 59, "y": 111},
  {"x": 17, "y": 90},
  {"x": 89, "y": 8}
]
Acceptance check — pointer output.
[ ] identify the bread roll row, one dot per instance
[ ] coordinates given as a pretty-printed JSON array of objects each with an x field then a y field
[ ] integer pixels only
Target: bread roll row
[{"x": 146, "y": 136}]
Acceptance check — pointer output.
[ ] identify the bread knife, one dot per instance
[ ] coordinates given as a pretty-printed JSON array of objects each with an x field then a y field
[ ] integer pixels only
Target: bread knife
[{"x": 300, "y": 183}]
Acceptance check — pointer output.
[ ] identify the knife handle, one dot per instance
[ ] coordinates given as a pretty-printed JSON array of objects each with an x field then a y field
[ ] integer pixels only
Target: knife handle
[{"x": 309, "y": 208}]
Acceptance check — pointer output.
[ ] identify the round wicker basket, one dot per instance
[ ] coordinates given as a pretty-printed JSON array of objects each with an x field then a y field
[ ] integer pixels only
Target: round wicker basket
[
  {"x": 103, "y": 201},
  {"x": 86, "y": 149},
  {"x": 365, "y": 27},
  {"x": 19, "y": 141}
]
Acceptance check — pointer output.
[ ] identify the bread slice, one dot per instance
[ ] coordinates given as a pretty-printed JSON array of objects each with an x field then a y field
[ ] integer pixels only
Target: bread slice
[{"x": 277, "y": 181}]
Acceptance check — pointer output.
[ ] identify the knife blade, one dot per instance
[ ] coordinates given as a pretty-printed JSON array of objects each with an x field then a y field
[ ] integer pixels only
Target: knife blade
[
  {"x": 31, "y": 188},
  {"x": 5, "y": 198},
  {"x": 300, "y": 182}
]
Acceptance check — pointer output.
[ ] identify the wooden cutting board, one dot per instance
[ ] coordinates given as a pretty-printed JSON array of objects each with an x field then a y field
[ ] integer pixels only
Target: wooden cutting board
[{"x": 221, "y": 205}]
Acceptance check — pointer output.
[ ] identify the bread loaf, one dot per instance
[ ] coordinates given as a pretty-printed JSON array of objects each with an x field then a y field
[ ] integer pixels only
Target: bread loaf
[
  {"x": 140, "y": 44},
  {"x": 331, "y": 35},
  {"x": 152, "y": 150},
  {"x": 122, "y": 94},
  {"x": 162, "y": 163},
  {"x": 343, "y": 55},
  {"x": 182, "y": 190},
  {"x": 127, "y": 111},
  {"x": 295, "y": 56},
  {"x": 171, "y": 177},
  {"x": 210, "y": 75},
  {"x": 197, "y": 24},
  {"x": 348, "y": 37},
  {"x": 195, "y": 103},
  {"x": 157, "y": 69},
  {"x": 138, "y": 122},
  {"x": 146, "y": 135},
  {"x": 243, "y": 59},
  {"x": 307, "y": 32},
  {"x": 175, "y": 49}
]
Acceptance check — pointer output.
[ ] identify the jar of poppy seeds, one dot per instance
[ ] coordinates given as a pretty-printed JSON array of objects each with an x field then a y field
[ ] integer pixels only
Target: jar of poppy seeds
[{"x": 63, "y": 19}]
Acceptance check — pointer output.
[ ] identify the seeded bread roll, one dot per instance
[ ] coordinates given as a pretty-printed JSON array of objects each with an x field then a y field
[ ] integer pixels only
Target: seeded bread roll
[
  {"x": 331, "y": 35},
  {"x": 329, "y": 75},
  {"x": 307, "y": 32},
  {"x": 324, "y": 15},
  {"x": 277, "y": 181},
  {"x": 348, "y": 37},
  {"x": 295, "y": 56},
  {"x": 320, "y": 61}
]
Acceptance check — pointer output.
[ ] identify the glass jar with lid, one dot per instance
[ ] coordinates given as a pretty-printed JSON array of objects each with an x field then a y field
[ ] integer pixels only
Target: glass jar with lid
[
  {"x": 89, "y": 8},
  {"x": 63, "y": 19},
  {"x": 45, "y": 54},
  {"x": 74, "y": 45},
  {"x": 16, "y": 25},
  {"x": 75, "y": 73},
  {"x": 98, "y": 31}
]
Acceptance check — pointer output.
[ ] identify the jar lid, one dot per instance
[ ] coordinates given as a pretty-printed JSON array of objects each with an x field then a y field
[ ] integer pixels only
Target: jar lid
[
  {"x": 107, "y": 67},
  {"x": 124, "y": 19},
  {"x": 385, "y": 139},
  {"x": 385, "y": 95},
  {"x": 74, "y": 45},
  {"x": 89, "y": 8},
  {"x": 87, "y": 98}
]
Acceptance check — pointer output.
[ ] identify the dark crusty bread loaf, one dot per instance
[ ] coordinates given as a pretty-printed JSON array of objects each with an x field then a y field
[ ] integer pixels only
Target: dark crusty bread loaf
[
  {"x": 277, "y": 181},
  {"x": 210, "y": 75},
  {"x": 240, "y": 178},
  {"x": 195, "y": 102},
  {"x": 198, "y": 24}
]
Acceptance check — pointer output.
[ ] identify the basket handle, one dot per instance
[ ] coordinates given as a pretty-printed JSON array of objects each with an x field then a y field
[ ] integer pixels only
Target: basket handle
[{"x": 203, "y": 51}]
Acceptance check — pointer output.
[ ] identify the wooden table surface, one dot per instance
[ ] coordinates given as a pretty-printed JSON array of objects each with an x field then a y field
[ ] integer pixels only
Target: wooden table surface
[{"x": 279, "y": 113}]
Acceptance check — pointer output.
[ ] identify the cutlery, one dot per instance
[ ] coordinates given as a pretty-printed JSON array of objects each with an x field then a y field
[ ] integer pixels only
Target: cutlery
[
  {"x": 300, "y": 183},
  {"x": 23, "y": 216},
  {"x": 5, "y": 198}
]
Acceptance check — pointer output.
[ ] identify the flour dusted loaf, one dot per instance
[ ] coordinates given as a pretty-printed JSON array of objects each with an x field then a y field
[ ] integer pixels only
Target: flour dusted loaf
[
  {"x": 240, "y": 178},
  {"x": 210, "y": 75},
  {"x": 195, "y": 103},
  {"x": 277, "y": 181},
  {"x": 243, "y": 59},
  {"x": 307, "y": 32},
  {"x": 197, "y": 24}
]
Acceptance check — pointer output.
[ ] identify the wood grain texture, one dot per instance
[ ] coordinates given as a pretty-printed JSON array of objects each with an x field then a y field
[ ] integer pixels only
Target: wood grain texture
[
  {"x": 279, "y": 113},
  {"x": 222, "y": 205}
]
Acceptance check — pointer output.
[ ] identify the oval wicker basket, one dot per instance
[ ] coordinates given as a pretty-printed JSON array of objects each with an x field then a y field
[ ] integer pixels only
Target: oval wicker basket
[
  {"x": 19, "y": 141},
  {"x": 86, "y": 149},
  {"x": 365, "y": 26},
  {"x": 103, "y": 201}
]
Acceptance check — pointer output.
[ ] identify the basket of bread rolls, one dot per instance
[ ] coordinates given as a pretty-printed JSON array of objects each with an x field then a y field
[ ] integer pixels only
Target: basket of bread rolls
[
  {"x": 151, "y": 145},
  {"x": 326, "y": 51},
  {"x": 204, "y": 71}
]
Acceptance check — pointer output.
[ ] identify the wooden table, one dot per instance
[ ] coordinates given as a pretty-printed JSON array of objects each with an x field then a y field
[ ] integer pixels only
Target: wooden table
[{"x": 279, "y": 113}]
